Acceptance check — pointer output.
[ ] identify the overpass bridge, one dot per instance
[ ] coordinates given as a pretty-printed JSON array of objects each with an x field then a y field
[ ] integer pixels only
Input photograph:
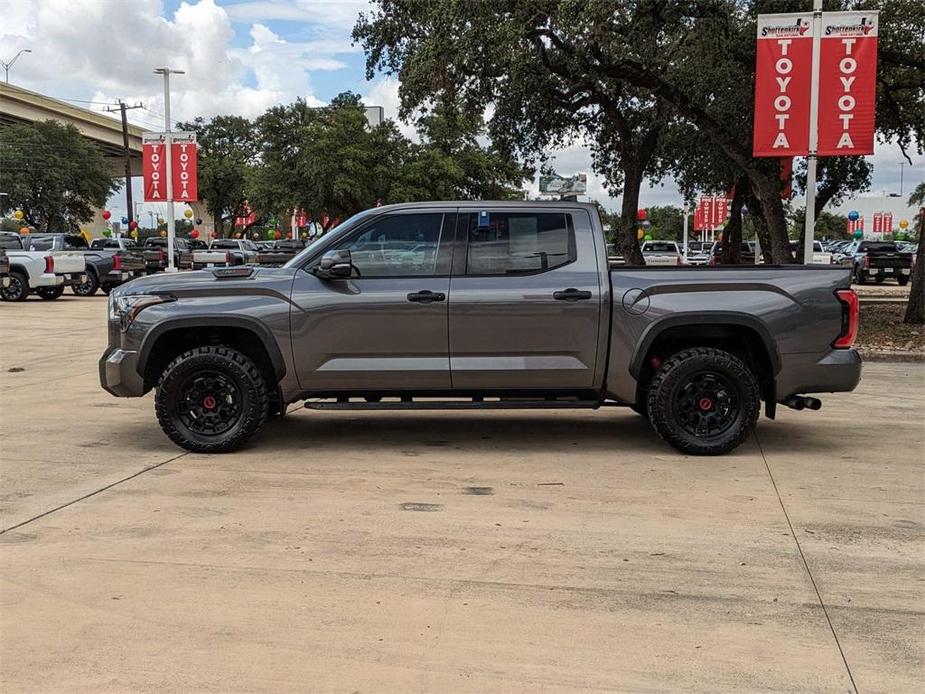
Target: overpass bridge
[{"x": 18, "y": 105}]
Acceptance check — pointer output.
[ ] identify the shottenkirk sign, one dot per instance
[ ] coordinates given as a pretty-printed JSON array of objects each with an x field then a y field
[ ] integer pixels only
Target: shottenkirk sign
[{"x": 847, "y": 84}]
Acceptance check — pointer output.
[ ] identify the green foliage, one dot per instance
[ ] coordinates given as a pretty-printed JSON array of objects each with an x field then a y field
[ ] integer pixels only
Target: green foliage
[
  {"x": 828, "y": 225},
  {"x": 667, "y": 222},
  {"x": 227, "y": 152},
  {"x": 53, "y": 174}
]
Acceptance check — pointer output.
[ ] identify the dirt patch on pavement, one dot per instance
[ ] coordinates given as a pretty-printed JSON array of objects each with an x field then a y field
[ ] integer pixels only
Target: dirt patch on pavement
[{"x": 882, "y": 329}]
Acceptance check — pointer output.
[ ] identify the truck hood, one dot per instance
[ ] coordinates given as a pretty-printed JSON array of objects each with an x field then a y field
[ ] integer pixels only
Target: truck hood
[{"x": 204, "y": 282}]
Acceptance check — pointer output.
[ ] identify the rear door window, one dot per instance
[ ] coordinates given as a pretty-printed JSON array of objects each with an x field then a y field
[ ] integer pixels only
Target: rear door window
[{"x": 518, "y": 243}]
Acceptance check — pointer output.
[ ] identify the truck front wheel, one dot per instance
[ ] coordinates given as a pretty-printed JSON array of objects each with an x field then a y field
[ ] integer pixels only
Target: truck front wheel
[
  {"x": 704, "y": 401},
  {"x": 211, "y": 399},
  {"x": 18, "y": 289}
]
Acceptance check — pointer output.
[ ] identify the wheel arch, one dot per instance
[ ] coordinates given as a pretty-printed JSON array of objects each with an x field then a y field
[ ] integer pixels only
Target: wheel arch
[
  {"x": 167, "y": 339},
  {"x": 738, "y": 333}
]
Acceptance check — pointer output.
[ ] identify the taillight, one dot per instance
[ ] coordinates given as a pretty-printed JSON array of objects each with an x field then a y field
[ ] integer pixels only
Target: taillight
[
  {"x": 49, "y": 264},
  {"x": 849, "y": 319},
  {"x": 228, "y": 258},
  {"x": 866, "y": 262},
  {"x": 116, "y": 262},
  {"x": 679, "y": 262},
  {"x": 713, "y": 261},
  {"x": 161, "y": 256}
]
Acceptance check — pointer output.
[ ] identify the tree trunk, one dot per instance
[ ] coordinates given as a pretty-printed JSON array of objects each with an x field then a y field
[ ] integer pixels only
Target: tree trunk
[
  {"x": 732, "y": 235},
  {"x": 915, "y": 310},
  {"x": 765, "y": 188},
  {"x": 629, "y": 241}
]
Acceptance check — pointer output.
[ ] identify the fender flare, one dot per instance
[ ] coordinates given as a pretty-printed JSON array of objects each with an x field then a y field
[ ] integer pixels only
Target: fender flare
[
  {"x": 263, "y": 333},
  {"x": 651, "y": 333}
]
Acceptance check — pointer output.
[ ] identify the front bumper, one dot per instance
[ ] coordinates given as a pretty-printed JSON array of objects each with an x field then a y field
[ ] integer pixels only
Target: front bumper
[
  {"x": 836, "y": 371},
  {"x": 119, "y": 375}
]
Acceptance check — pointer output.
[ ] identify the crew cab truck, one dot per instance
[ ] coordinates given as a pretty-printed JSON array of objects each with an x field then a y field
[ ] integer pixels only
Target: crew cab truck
[
  {"x": 44, "y": 272},
  {"x": 879, "y": 261},
  {"x": 225, "y": 252},
  {"x": 661, "y": 253},
  {"x": 155, "y": 254},
  {"x": 107, "y": 266},
  {"x": 480, "y": 305}
]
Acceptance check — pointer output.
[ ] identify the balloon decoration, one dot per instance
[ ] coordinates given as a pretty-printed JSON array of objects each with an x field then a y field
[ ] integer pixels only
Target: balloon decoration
[
  {"x": 163, "y": 233},
  {"x": 641, "y": 214},
  {"x": 160, "y": 220},
  {"x": 125, "y": 220},
  {"x": 107, "y": 214},
  {"x": 18, "y": 214},
  {"x": 304, "y": 235},
  {"x": 134, "y": 234},
  {"x": 271, "y": 234},
  {"x": 639, "y": 234},
  {"x": 858, "y": 234},
  {"x": 212, "y": 234},
  {"x": 853, "y": 215},
  {"x": 24, "y": 231},
  {"x": 648, "y": 237},
  {"x": 194, "y": 234},
  {"x": 107, "y": 233},
  {"x": 277, "y": 234},
  {"x": 646, "y": 224},
  {"x": 238, "y": 235},
  {"x": 903, "y": 223},
  {"x": 133, "y": 225},
  {"x": 188, "y": 214},
  {"x": 198, "y": 221}
]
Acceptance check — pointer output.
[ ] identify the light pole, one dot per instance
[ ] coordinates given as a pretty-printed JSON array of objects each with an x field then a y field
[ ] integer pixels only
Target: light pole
[
  {"x": 8, "y": 65},
  {"x": 168, "y": 148}
]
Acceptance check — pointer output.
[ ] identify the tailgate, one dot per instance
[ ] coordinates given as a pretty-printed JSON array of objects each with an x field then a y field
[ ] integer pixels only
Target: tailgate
[
  {"x": 67, "y": 262},
  {"x": 889, "y": 259},
  {"x": 131, "y": 260}
]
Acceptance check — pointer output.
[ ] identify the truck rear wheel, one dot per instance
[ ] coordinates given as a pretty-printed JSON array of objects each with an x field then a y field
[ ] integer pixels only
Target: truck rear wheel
[
  {"x": 903, "y": 280},
  {"x": 211, "y": 399},
  {"x": 18, "y": 289},
  {"x": 704, "y": 401},
  {"x": 88, "y": 287}
]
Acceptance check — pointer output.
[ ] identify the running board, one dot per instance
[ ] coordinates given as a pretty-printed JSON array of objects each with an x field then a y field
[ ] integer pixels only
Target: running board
[{"x": 513, "y": 404}]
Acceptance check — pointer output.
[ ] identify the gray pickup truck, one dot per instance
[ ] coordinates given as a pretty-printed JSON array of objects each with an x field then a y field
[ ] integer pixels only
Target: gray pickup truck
[{"x": 480, "y": 305}]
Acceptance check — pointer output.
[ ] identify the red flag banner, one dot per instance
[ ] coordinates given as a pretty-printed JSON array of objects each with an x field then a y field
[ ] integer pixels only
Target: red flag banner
[
  {"x": 183, "y": 167},
  {"x": 783, "y": 65},
  {"x": 847, "y": 83},
  {"x": 878, "y": 222},
  {"x": 154, "y": 167},
  {"x": 887, "y": 222}
]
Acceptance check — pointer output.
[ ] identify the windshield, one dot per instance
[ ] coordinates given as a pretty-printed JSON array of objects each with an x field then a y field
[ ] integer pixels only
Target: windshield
[
  {"x": 11, "y": 242},
  {"x": 659, "y": 247},
  {"x": 224, "y": 243}
]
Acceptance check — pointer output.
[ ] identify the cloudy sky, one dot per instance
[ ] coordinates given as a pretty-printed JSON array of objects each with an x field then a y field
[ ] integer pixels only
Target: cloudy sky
[{"x": 240, "y": 56}]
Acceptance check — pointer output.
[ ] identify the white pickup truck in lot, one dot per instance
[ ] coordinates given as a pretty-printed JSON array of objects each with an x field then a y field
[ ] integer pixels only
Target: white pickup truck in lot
[
  {"x": 662, "y": 254},
  {"x": 226, "y": 252},
  {"x": 46, "y": 273}
]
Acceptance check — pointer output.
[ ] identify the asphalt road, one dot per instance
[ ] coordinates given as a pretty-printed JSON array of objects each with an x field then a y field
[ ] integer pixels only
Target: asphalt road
[{"x": 448, "y": 552}]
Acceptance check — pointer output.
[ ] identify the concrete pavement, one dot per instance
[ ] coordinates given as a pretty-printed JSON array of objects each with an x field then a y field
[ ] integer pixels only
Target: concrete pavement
[{"x": 459, "y": 551}]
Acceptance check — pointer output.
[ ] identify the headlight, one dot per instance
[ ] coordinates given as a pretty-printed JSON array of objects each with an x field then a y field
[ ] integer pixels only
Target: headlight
[{"x": 124, "y": 308}]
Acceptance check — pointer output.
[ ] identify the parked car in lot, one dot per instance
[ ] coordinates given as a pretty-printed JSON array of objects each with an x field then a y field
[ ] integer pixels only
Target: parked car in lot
[
  {"x": 507, "y": 305},
  {"x": 107, "y": 266},
  {"x": 4, "y": 269},
  {"x": 879, "y": 261},
  {"x": 155, "y": 253},
  {"x": 226, "y": 252},
  {"x": 44, "y": 272},
  {"x": 698, "y": 253},
  {"x": 820, "y": 255},
  {"x": 279, "y": 252},
  {"x": 661, "y": 253}
]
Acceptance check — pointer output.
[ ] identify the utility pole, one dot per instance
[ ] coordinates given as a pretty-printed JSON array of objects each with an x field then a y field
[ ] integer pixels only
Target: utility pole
[
  {"x": 128, "y": 161},
  {"x": 168, "y": 149}
]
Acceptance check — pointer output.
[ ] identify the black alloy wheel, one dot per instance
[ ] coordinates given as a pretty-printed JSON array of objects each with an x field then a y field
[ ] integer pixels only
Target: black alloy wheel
[
  {"x": 88, "y": 287},
  {"x": 18, "y": 289}
]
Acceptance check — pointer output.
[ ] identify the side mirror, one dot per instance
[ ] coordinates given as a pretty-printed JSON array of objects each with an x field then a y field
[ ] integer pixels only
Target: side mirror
[{"x": 334, "y": 265}]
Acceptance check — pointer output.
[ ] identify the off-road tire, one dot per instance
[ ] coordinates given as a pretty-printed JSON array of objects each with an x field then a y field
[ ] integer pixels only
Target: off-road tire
[
  {"x": 50, "y": 293},
  {"x": 240, "y": 370},
  {"x": 89, "y": 287},
  {"x": 860, "y": 277},
  {"x": 903, "y": 280},
  {"x": 18, "y": 289},
  {"x": 673, "y": 377}
]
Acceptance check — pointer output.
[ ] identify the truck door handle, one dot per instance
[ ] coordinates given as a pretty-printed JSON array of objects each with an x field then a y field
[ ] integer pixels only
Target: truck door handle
[
  {"x": 571, "y": 294},
  {"x": 426, "y": 296}
]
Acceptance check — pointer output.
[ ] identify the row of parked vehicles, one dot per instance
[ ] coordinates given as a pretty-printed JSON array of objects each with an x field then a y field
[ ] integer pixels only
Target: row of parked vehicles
[
  {"x": 46, "y": 264},
  {"x": 870, "y": 261}
]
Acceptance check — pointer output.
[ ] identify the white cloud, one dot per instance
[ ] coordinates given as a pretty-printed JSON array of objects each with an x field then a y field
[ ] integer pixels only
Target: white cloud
[{"x": 341, "y": 14}]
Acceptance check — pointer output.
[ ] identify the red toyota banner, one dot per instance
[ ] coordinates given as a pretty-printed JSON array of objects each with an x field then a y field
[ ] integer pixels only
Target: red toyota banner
[
  {"x": 856, "y": 225},
  {"x": 878, "y": 222},
  {"x": 783, "y": 65},
  {"x": 698, "y": 218},
  {"x": 153, "y": 167},
  {"x": 847, "y": 83},
  {"x": 183, "y": 167},
  {"x": 887, "y": 222}
]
